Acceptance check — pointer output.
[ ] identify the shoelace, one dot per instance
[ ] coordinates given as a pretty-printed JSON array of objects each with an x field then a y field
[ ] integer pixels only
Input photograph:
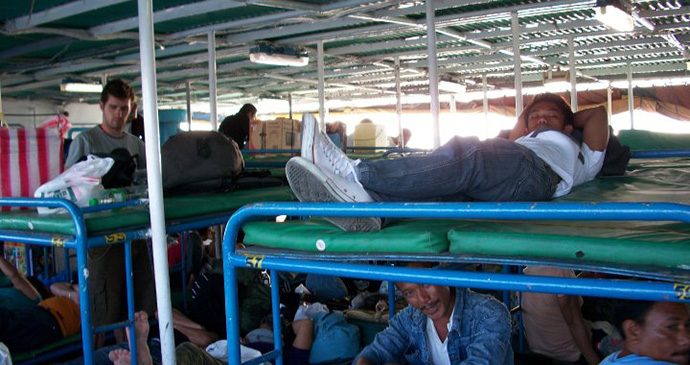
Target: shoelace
[{"x": 339, "y": 162}]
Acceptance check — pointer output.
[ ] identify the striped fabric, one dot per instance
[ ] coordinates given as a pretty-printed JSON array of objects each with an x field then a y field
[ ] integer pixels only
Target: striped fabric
[{"x": 28, "y": 158}]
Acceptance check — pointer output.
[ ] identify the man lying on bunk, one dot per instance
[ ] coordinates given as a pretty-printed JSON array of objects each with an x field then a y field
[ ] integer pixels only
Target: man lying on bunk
[
  {"x": 443, "y": 325},
  {"x": 38, "y": 322},
  {"x": 540, "y": 161},
  {"x": 106, "y": 264},
  {"x": 654, "y": 333}
]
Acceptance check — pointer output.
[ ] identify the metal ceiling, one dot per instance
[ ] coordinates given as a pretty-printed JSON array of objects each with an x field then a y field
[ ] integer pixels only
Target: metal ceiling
[{"x": 45, "y": 41}]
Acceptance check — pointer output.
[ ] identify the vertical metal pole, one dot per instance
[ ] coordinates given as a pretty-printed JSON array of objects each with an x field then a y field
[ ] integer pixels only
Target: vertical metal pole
[
  {"x": 232, "y": 323},
  {"x": 189, "y": 105},
  {"x": 573, "y": 74},
  {"x": 391, "y": 299},
  {"x": 153, "y": 170},
  {"x": 433, "y": 69},
  {"x": 84, "y": 299},
  {"x": 631, "y": 97},
  {"x": 518, "y": 63},
  {"x": 322, "y": 93},
  {"x": 130, "y": 299},
  {"x": 275, "y": 306},
  {"x": 290, "y": 105},
  {"x": 212, "y": 87},
  {"x": 398, "y": 101},
  {"x": 485, "y": 106},
  {"x": 609, "y": 102}
]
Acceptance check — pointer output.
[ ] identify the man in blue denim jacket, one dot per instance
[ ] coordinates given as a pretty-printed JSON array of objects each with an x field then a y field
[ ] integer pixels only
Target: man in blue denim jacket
[{"x": 443, "y": 325}]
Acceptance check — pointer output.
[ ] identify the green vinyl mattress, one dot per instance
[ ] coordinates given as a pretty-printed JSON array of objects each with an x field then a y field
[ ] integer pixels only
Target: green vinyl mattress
[
  {"x": 632, "y": 243},
  {"x": 410, "y": 236},
  {"x": 137, "y": 217}
]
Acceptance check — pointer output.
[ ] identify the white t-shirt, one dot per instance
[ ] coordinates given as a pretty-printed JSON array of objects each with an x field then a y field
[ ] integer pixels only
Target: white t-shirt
[
  {"x": 438, "y": 349},
  {"x": 574, "y": 164}
]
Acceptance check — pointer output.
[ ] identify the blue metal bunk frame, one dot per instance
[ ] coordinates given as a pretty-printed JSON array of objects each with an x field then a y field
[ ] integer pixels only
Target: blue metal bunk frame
[
  {"x": 82, "y": 242},
  {"x": 656, "y": 291}
]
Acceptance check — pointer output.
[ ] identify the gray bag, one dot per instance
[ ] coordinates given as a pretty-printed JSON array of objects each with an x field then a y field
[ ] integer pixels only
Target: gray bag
[{"x": 200, "y": 162}]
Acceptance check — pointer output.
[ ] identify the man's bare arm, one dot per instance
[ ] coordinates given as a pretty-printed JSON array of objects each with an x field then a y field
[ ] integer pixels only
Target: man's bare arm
[
  {"x": 19, "y": 281},
  {"x": 595, "y": 127},
  {"x": 572, "y": 314},
  {"x": 520, "y": 128}
]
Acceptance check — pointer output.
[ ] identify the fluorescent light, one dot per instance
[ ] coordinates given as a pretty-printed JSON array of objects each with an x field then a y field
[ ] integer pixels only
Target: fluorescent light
[
  {"x": 451, "y": 87},
  {"x": 614, "y": 18},
  {"x": 278, "y": 59},
  {"x": 80, "y": 87},
  {"x": 268, "y": 54}
]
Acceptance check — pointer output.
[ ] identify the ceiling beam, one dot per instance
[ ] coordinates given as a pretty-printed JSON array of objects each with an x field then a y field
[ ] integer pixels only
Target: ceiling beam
[
  {"x": 56, "y": 13},
  {"x": 257, "y": 21},
  {"x": 172, "y": 13}
]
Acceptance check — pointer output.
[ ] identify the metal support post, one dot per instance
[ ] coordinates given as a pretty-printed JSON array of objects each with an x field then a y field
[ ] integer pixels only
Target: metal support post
[
  {"x": 631, "y": 97},
  {"x": 573, "y": 74},
  {"x": 518, "y": 63},
  {"x": 153, "y": 163},
  {"x": 433, "y": 70},
  {"x": 609, "y": 102},
  {"x": 212, "y": 87},
  {"x": 485, "y": 106},
  {"x": 322, "y": 93},
  {"x": 189, "y": 105},
  {"x": 398, "y": 102}
]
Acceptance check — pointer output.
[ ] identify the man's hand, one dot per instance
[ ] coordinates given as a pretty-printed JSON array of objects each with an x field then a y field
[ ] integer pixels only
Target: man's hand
[
  {"x": 520, "y": 127},
  {"x": 595, "y": 127}
]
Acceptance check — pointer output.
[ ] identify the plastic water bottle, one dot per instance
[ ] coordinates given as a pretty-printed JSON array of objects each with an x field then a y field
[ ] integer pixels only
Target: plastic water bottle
[{"x": 117, "y": 195}]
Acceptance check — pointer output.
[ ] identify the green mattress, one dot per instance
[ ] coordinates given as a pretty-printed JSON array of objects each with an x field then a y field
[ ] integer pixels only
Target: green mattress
[
  {"x": 413, "y": 236},
  {"x": 639, "y": 140},
  {"x": 632, "y": 243},
  {"x": 136, "y": 217},
  {"x": 664, "y": 244}
]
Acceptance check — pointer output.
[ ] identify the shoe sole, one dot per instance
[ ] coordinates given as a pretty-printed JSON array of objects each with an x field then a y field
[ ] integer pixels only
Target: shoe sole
[
  {"x": 308, "y": 135},
  {"x": 310, "y": 185}
]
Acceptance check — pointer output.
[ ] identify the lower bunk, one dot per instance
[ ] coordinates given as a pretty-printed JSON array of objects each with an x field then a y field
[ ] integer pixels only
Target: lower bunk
[
  {"x": 624, "y": 236},
  {"x": 118, "y": 224}
]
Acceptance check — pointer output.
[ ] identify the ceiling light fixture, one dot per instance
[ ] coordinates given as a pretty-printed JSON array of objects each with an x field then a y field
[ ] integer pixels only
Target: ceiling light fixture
[
  {"x": 269, "y": 54},
  {"x": 451, "y": 86},
  {"x": 80, "y": 87},
  {"x": 612, "y": 14}
]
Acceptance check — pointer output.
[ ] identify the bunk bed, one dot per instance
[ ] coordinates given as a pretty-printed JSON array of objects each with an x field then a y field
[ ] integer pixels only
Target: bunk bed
[
  {"x": 625, "y": 235},
  {"x": 119, "y": 223}
]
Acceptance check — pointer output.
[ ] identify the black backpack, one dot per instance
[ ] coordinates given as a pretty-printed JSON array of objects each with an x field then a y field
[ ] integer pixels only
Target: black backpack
[
  {"x": 200, "y": 162},
  {"x": 121, "y": 174}
]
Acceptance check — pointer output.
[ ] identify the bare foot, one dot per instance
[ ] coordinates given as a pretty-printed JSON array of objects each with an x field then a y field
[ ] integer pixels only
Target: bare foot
[
  {"x": 120, "y": 357},
  {"x": 141, "y": 328}
]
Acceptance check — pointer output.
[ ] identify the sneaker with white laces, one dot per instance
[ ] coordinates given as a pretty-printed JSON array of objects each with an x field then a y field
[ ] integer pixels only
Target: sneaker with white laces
[
  {"x": 318, "y": 149},
  {"x": 311, "y": 183}
]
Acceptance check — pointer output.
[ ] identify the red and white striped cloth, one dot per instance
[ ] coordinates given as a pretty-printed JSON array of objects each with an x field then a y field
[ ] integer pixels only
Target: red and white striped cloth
[{"x": 29, "y": 158}]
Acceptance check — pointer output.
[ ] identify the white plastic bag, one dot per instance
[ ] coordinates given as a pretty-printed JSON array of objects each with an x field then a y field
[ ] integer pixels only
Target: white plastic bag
[{"x": 79, "y": 183}]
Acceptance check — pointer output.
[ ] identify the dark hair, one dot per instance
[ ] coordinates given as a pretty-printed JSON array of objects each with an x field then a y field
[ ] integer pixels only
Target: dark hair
[
  {"x": 635, "y": 310},
  {"x": 117, "y": 88},
  {"x": 555, "y": 99},
  {"x": 41, "y": 288},
  {"x": 246, "y": 109}
]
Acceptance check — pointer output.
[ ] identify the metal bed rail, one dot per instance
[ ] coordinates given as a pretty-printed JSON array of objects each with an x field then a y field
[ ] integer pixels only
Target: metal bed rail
[
  {"x": 494, "y": 281},
  {"x": 81, "y": 242}
]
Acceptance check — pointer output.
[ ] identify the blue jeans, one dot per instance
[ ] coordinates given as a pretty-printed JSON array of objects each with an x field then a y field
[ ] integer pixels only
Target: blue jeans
[{"x": 464, "y": 169}]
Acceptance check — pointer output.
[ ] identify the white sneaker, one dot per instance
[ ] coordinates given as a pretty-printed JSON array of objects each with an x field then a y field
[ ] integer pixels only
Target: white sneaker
[
  {"x": 310, "y": 128},
  {"x": 311, "y": 183},
  {"x": 318, "y": 149}
]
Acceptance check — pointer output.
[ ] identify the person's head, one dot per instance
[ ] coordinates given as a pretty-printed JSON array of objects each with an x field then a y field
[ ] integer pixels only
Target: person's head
[
  {"x": 549, "y": 110},
  {"x": 116, "y": 103},
  {"x": 436, "y": 302},
  {"x": 248, "y": 110},
  {"x": 659, "y": 330},
  {"x": 366, "y": 121},
  {"x": 407, "y": 134}
]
